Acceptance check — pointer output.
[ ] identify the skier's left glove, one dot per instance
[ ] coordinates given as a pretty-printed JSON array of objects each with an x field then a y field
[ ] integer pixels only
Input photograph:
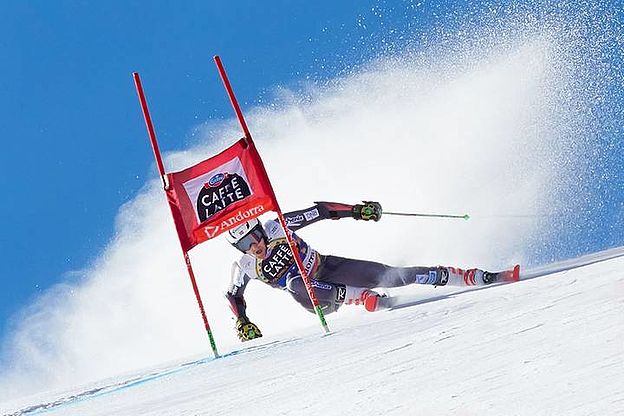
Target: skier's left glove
[
  {"x": 247, "y": 330},
  {"x": 370, "y": 210}
]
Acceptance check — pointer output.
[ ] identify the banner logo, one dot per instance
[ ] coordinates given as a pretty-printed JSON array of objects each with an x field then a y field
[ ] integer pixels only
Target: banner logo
[
  {"x": 277, "y": 263},
  {"x": 310, "y": 215},
  {"x": 321, "y": 285},
  {"x": 211, "y": 231},
  {"x": 341, "y": 293},
  {"x": 222, "y": 190},
  {"x": 217, "y": 179},
  {"x": 294, "y": 221},
  {"x": 229, "y": 222}
]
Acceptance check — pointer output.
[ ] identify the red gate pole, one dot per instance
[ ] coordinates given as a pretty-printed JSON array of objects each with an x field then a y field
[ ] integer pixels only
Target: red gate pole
[
  {"x": 280, "y": 215},
  {"x": 161, "y": 170}
]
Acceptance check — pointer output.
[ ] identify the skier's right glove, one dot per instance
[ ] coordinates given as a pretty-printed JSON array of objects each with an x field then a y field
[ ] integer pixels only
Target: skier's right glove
[
  {"x": 368, "y": 211},
  {"x": 247, "y": 330}
]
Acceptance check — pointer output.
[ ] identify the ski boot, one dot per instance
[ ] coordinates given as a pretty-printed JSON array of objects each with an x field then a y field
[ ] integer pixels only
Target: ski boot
[
  {"x": 512, "y": 275},
  {"x": 476, "y": 276},
  {"x": 362, "y": 296}
]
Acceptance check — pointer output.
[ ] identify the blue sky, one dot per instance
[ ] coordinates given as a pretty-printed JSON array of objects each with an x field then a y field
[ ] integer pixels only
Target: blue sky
[{"x": 74, "y": 142}]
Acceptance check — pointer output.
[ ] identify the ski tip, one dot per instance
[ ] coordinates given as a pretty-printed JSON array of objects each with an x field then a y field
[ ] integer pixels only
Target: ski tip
[{"x": 516, "y": 273}]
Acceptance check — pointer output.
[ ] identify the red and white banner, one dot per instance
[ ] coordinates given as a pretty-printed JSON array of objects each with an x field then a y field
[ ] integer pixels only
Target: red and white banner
[{"x": 219, "y": 193}]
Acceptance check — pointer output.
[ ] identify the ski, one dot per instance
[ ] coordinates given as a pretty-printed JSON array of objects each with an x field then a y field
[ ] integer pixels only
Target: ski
[{"x": 380, "y": 303}]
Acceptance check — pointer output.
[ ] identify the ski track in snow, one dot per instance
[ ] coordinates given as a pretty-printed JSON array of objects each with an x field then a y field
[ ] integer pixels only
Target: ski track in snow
[{"x": 550, "y": 344}]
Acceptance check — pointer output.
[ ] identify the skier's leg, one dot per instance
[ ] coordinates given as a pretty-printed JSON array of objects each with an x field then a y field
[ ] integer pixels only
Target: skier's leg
[
  {"x": 370, "y": 274},
  {"x": 329, "y": 295}
]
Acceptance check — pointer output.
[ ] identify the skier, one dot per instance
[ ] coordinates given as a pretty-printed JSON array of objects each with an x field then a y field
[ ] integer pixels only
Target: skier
[{"x": 336, "y": 280}]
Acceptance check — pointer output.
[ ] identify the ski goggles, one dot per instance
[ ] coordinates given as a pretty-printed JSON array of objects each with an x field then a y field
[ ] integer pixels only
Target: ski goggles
[{"x": 255, "y": 236}]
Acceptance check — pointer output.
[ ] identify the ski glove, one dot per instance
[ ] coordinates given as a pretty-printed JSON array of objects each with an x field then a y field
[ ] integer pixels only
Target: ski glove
[
  {"x": 247, "y": 330},
  {"x": 368, "y": 211}
]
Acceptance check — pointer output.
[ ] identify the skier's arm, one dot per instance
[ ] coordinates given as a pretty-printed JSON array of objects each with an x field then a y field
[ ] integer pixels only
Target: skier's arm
[
  {"x": 234, "y": 294},
  {"x": 245, "y": 329},
  {"x": 332, "y": 210}
]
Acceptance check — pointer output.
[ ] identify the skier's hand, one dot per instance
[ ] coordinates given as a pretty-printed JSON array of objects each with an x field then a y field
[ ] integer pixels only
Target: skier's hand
[
  {"x": 370, "y": 210},
  {"x": 247, "y": 330}
]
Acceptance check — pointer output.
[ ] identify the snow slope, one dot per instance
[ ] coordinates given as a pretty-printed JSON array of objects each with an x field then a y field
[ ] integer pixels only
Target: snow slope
[{"x": 551, "y": 344}]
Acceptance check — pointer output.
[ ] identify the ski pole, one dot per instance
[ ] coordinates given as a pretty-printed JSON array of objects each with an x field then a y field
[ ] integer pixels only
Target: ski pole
[{"x": 410, "y": 214}]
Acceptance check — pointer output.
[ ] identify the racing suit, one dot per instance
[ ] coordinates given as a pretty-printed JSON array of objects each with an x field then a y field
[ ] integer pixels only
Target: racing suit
[{"x": 336, "y": 280}]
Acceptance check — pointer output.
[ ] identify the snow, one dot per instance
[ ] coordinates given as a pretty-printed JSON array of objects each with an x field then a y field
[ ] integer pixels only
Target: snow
[{"x": 549, "y": 344}]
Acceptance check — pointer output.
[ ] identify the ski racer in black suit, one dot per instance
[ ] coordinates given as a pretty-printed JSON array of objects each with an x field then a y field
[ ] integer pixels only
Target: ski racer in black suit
[{"x": 336, "y": 280}]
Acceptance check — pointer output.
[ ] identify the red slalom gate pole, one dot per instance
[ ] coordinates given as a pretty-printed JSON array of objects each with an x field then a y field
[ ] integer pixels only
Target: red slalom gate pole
[
  {"x": 291, "y": 241},
  {"x": 161, "y": 169},
  {"x": 150, "y": 127}
]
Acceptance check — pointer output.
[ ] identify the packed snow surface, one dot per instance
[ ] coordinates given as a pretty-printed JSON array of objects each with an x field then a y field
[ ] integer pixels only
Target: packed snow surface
[{"x": 551, "y": 344}]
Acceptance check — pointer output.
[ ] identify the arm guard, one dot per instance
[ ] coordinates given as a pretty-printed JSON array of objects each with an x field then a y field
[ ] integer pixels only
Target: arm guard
[
  {"x": 332, "y": 210},
  {"x": 245, "y": 329},
  {"x": 237, "y": 305},
  {"x": 235, "y": 291},
  {"x": 320, "y": 211}
]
